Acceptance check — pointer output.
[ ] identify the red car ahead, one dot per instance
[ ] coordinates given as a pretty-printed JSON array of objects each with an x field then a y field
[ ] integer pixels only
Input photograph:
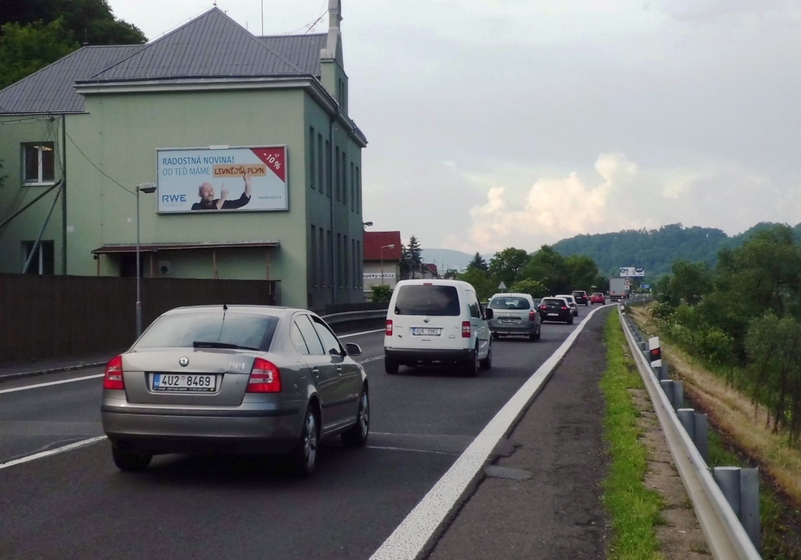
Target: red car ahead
[{"x": 597, "y": 297}]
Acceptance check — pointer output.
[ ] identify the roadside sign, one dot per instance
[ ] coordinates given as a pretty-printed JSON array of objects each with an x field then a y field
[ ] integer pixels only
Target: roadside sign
[{"x": 501, "y": 286}]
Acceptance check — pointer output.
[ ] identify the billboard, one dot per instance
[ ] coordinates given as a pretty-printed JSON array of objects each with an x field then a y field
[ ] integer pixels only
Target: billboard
[
  {"x": 632, "y": 272},
  {"x": 223, "y": 179}
]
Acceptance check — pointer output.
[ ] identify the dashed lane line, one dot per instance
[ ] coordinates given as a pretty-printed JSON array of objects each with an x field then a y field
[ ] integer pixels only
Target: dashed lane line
[{"x": 56, "y": 451}]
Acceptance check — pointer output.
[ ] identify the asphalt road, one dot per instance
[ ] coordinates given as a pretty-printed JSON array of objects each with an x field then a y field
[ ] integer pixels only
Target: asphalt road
[{"x": 76, "y": 504}]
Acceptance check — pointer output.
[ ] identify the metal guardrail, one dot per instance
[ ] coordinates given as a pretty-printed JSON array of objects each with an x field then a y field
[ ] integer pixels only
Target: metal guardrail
[
  {"x": 725, "y": 535},
  {"x": 353, "y": 316}
]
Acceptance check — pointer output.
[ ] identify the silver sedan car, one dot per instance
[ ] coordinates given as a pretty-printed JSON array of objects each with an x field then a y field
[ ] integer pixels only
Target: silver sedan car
[{"x": 218, "y": 379}]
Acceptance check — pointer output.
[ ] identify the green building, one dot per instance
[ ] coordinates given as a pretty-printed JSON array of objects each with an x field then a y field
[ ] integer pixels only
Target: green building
[{"x": 247, "y": 139}]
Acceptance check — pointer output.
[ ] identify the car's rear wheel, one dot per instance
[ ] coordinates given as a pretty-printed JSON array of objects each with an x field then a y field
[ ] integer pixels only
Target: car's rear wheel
[
  {"x": 486, "y": 363},
  {"x": 570, "y": 320},
  {"x": 304, "y": 458},
  {"x": 496, "y": 336},
  {"x": 357, "y": 435},
  {"x": 390, "y": 366},
  {"x": 130, "y": 461}
]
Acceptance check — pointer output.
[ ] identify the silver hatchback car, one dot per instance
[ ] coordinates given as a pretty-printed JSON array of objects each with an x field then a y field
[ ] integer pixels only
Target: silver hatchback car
[
  {"x": 515, "y": 314},
  {"x": 218, "y": 379}
]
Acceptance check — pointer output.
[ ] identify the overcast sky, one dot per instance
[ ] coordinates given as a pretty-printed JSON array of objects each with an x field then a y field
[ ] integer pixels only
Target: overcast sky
[{"x": 498, "y": 123}]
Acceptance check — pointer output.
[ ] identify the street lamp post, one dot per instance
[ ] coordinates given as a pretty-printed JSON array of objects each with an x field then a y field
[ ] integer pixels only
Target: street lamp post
[
  {"x": 145, "y": 188},
  {"x": 390, "y": 246}
]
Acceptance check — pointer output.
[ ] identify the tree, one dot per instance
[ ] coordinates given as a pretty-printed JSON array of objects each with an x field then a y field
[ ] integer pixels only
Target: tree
[
  {"x": 414, "y": 255},
  {"x": 405, "y": 264},
  {"x": 531, "y": 287},
  {"x": 451, "y": 274},
  {"x": 690, "y": 281},
  {"x": 380, "y": 292},
  {"x": 480, "y": 281},
  {"x": 89, "y": 21},
  {"x": 548, "y": 267},
  {"x": 26, "y": 49},
  {"x": 478, "y": 263},
  {"x": 583, "y": 272},
  {"x": 505, "y": 265}
]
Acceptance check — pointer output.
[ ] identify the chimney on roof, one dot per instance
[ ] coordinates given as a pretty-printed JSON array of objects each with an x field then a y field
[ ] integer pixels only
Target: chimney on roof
[{"x": 334, "y": 30}]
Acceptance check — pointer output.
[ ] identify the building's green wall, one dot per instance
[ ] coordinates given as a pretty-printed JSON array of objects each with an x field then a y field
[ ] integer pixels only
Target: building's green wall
[
  {"x": 14, "y": 131},
  {"x": 121, "y": 133}
]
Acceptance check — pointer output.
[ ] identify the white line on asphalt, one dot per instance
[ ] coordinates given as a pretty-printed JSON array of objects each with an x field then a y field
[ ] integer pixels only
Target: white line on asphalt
[
  {"x": 50, "y": 383},
  {"x": 373, "y": 359},
  {"x": 417, "y": 435},
  {"x": 359, "y": 333},
  {"x": 35, "y": 456},
  {"x": 411, "y": 536},
  {"x": 409, "y": 450}
]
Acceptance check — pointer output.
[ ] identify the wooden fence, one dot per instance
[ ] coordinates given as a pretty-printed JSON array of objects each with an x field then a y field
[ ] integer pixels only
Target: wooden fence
[{"x": 54, "y": 316}]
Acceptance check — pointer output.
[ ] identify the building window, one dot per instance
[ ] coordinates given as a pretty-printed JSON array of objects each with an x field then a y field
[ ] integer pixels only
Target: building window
[
  {"x": 313, "y": 258},
  {"x": 339, "y": 261},
  {"x": 43, "y": 261},
  {"x": 321, "y": 258},
  {"x": 344, "y": 178},
  {"x": 330, "y": 269},
  {"x": 354, "y": 263},
  {"x": 336, "y": 172},
  {"x": 352, "y": 188},
  {"x": 345, "y": 261},
  {"x": 359, "y": 258},
  {"x": 320, "y": 166},
  {"x": 358, "y": 191},
  {"x": 38, "y": 163},
  {"x": 311, "y": 157},
  {"x": 328, "y": 177}
]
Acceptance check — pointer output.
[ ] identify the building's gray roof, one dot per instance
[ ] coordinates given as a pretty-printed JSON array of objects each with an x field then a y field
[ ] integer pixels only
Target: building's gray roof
[
  {"x": 211, "y": 45},
  {"x": 302, "y": 50},
  {"x": 50, "y": 90}
]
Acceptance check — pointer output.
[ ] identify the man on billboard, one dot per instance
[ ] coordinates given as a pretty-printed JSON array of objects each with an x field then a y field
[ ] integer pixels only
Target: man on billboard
[{"x": 208, "y": 202}]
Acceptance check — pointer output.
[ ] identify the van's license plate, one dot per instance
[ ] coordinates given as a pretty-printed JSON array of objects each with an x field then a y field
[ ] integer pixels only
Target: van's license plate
[
  {"x": 425, "y": 331},
  {"x": 194, "y": 383}
]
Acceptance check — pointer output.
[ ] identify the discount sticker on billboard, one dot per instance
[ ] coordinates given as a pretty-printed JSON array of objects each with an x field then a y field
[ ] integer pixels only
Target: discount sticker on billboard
[{"x": 230, "y": 179}]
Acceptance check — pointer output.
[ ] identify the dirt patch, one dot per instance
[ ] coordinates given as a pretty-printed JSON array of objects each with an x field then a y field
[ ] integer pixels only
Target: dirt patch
[{"x": 680, "y": 536}]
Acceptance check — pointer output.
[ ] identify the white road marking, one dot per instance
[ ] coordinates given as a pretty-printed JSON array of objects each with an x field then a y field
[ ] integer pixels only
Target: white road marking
[
  {"x": 409, "y": 450},
  {"x": 50, "y": 383},
  {"x": 56, "y": 451},
  {"x": 411, "y": 536},
  {"x": 373, "y": 359}
]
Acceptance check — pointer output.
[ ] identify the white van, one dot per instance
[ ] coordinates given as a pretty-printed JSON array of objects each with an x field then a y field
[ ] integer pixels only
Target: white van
[{"x": 437, "y": 321}]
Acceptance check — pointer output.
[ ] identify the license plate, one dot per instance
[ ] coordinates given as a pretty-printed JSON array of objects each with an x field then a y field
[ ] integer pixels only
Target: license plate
[
  {"x": 425, "y": 331},
  {"x": 509, "y": 320},
  {"x": 553, "y": 314},
  {"x": 185, "y": 383}
]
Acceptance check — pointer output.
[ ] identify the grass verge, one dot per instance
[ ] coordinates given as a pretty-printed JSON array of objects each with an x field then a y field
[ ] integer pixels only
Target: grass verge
[{"x": 633, "y": 509}]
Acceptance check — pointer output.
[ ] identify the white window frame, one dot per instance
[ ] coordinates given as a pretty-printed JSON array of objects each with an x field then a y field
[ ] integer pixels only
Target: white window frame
[{"x": 40, "y": 149}]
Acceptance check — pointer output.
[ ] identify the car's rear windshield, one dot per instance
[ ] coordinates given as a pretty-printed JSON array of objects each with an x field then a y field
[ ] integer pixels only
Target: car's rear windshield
[
  {"x": 509, "y": 302},
  {"x": 442, "y": 301},
  {"x": 579, "y": 293},
  {"x": 552, "y": 301},
  {"x": 182, "y": 330}
]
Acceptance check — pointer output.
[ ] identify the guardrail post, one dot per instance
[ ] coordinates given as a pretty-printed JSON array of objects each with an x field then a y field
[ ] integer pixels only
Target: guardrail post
[
  {"x": 749, "y": 505},
  {"x": 678, "y": 395},
  {"x": 741, "y": 489},
  {"x": 701, "y": 439},
  {"x": 687, "y": 419},
  {"x": 663, "y": 371},
  {"x": 667, "y": 387}
]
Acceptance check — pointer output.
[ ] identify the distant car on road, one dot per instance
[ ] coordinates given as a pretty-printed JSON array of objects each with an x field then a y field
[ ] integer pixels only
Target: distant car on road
[
  {"x": 514, "y": 314},
  {"x": 597, "y": 297},
  {"x": 556, "y": 309},
  {"x": 581, "y": 297},
  {"x": 238, "y": 378},
  {"x": 572, "y": 302}
]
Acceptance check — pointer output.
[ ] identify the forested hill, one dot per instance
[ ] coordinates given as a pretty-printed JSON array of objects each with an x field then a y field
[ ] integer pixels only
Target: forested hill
[{"x": 655, "y": 250}]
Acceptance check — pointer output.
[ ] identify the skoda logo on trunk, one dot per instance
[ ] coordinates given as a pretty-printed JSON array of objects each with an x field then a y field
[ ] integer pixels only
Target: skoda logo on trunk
[
  {"x": 426, "y": 319},
  {"x": 184, "y": 361}
]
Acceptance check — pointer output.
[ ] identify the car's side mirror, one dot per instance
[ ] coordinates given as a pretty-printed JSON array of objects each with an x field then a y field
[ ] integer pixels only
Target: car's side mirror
[
  {"x": 488, "y": 313},
  {"x": 353, "y": 349}
]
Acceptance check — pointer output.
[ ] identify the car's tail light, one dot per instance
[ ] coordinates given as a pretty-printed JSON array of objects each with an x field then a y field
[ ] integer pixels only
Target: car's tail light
[
  {"x": 113, "y": 377},
  {"x": 563, "y": 308},
  {"x": 388, "y": 332},
  {"x": 265, "y": 377},
  {"x": 532, "y": 315},
  {"x": 466, "y": 329}
]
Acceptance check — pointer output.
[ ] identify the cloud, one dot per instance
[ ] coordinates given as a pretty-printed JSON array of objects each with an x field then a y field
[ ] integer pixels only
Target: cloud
[{"x": 553, "y": 208}]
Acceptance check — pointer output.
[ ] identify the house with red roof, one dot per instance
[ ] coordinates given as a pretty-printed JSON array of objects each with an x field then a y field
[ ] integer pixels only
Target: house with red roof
[{"x": 382, "y": 258}]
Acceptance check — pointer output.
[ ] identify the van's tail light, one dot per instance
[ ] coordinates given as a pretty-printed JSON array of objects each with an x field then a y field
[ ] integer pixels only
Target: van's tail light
[
  {"x": 265, "y": 377},
  {"x": 466, "y": 329},
  {"x": 532, "y": 315},
  {"x": 113, "y": 377},
  {"x": 388, "y": 332}
]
